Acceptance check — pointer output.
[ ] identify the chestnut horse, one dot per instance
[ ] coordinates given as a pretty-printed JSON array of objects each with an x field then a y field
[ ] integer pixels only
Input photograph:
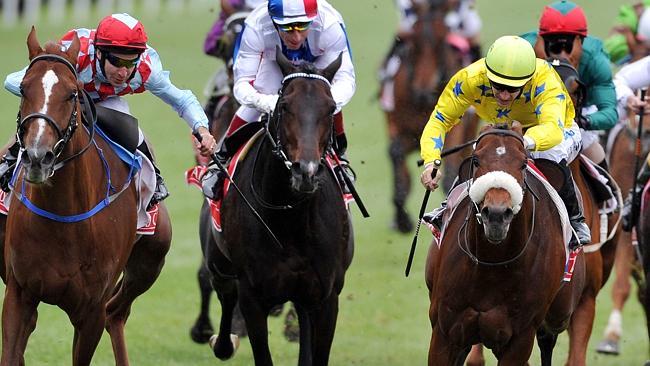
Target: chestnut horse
[
  {"x": 497, "y": 276},
  {"x": 76, "y": 265},
  {"x": 427, "y": 63},
  {"x": 287, "y": 182}
]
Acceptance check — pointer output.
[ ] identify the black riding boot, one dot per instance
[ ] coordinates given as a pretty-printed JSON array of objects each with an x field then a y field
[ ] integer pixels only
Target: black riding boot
[
  {"x": 629, "y": 208},
  {"x": 161, "y": 191},
  {"x": 7, "y": 165},
  {"x": 574, "y": 209},
  {"x": 213, "y": 179}
]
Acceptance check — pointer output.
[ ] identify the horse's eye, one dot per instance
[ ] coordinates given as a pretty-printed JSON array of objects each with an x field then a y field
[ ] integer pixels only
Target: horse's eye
[
  {"x": 73, "y": 95},
  {"x": 22, "y": 91},
  {"x": 475, "y": 161}
]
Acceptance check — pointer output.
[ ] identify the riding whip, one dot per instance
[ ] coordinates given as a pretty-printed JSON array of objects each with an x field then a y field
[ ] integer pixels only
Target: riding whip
[
  {"x": 423, "y": 208},
  {"x": 241, "y": 194},
  {"x": 637, "y": 161}
]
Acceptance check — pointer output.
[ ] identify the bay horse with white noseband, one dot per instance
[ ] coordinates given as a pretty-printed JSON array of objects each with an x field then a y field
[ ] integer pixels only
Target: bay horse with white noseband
[
  {"x": 497, "y": 276},
  {"x": 63, "y": 247}
]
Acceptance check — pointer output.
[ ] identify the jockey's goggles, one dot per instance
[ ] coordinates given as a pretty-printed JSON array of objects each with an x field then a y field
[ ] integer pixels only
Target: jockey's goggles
[
  {"x": 121, "y": 62},
  {"x": 297, "y": 26},
  {"x": 555, "y": 44},
  {"x": 502, "y": 87}
]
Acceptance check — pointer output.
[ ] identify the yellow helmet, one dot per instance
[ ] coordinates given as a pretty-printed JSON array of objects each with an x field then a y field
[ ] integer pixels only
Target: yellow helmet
[{"x": 510, "y": 61}]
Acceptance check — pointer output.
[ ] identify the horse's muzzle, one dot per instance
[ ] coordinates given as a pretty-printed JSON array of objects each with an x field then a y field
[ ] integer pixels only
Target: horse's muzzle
[
  {"x": 496, "y": 222},
  {"x": 38, "y": 164},
  {"x": 304, "y": 176}
]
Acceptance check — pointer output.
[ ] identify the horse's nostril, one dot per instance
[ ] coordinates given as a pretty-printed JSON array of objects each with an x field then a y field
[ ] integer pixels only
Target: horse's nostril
[{"x": 48, "y": 159}]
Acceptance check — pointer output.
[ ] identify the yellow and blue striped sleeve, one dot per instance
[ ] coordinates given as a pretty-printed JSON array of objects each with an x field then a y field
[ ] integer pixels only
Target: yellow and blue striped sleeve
[{"x": 451, "y": 106}]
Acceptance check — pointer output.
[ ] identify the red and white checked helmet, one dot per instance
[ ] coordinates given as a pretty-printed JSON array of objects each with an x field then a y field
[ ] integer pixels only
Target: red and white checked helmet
[
  {"x": 292, "y": 11},
  {"x": 121, "y": 31}
]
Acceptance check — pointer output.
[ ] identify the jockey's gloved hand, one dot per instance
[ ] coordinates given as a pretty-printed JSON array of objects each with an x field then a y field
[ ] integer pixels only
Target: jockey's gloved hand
[
  {"x": 583, "y": 122},
  {"x": 429, "y": 182},
  {"x": 266, "y": 103}
]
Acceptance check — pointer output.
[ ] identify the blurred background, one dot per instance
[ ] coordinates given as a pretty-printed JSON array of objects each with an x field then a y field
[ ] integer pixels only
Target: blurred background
[{"x": 383, "y": 317}]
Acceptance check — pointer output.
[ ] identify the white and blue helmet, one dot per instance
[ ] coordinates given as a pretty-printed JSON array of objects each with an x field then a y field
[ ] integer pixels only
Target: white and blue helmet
[{"x": 292, "y": 11}]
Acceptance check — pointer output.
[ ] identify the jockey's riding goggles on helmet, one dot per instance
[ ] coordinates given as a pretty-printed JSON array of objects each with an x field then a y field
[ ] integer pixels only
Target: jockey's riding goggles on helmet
[
  {"x": 121, "y": 62},
  {"x": 501, "y": 87},
  {"x": 297, "y": 26}
]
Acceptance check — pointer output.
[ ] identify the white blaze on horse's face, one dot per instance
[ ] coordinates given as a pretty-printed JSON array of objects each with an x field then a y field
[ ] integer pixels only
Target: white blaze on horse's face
[
  {"x": 501, "y": 150},
  {"x": 497, "y": 179},
  {"x": 49, "y": 80}
]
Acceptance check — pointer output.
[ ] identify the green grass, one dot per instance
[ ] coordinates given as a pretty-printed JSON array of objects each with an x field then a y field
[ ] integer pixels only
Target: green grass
[{"x": 383, "y": 316}]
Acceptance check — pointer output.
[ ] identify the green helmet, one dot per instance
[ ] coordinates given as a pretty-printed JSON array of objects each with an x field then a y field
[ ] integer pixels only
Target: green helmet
[{"x": 510, "y": 61}]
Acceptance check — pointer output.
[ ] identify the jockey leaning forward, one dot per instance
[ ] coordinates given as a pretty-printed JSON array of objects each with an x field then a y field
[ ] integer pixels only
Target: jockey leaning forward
[
  {"x": 511, "y": 84},
  {"x": 563, "y": 35},
  {"x": 115, "y": 60},
  {"x": 214, "y": 44},
  {"x": 307, "y": 31},
  {"x": 625, "y": 42}
]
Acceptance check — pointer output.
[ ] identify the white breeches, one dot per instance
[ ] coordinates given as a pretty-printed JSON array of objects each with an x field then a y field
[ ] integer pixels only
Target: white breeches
[{"x": 567, "y": 150}]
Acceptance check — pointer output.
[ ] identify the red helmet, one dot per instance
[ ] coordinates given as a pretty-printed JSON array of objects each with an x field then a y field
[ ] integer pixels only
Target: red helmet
[
  {"x": 563, "y": 17},
  {"x": 121, "y": 31}
]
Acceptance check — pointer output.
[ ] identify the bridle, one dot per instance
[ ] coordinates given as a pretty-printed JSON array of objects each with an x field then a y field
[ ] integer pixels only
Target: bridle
[
  {"x": 473, "y": 209},
  {"x": 64, "y": 135},
  {"x": 273, "y": 122}
]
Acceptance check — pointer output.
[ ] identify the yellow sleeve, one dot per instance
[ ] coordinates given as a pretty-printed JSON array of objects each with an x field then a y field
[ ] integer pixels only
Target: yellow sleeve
[
  {"x": 452, "y": 103},
  {"x": 552, "y": 107}
]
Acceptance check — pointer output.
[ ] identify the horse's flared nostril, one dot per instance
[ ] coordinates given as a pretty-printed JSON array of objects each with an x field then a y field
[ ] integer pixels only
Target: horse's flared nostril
[{"x": 48, "y": 159}]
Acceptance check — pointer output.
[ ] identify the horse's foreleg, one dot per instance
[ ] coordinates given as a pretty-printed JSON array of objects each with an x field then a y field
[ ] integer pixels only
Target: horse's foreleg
[
  {"x": 225, "y": 343},
  {"x": 546, "y": 343},
  {"x": 19, "y": 316},
  {"x": 580, "y": 327},
  {"x": 323, "y": 325},
  {"x": 441, "y": 352},
  {"x": 202, "y": 329},
  {"x": 88, "y": 329},
  {"x": 257, "y": 325},
  {"x": 401, "y": 185}
]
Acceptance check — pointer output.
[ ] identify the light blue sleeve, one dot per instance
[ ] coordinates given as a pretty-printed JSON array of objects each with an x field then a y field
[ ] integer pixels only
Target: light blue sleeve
[
  {"x": 13, "y": 80},
  {"x": 184, "y": 102}
]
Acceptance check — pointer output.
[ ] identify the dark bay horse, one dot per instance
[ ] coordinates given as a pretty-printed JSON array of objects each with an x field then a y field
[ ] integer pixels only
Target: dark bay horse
[
  {"x": 286, "y": 181},
  {"x": 428, "y": 61},
  {"x": 497, "y": 276},
  {"x": 74, "y": 265}
]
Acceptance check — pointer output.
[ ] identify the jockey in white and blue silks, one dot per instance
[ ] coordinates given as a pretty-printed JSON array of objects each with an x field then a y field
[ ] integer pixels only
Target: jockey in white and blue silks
[
  {"x": 114, "y": 61},
  {"x": 306, "y": 31}
]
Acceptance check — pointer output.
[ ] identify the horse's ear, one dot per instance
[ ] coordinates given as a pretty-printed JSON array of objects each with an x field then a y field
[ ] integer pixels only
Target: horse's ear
[
  {"x": 516, "y": 126},
  {"x": 33, "y": 45},
  {"x": 333, "y": 67},
  {"x": 285, "y": 65},
  {"x": 73, "y": 50}
]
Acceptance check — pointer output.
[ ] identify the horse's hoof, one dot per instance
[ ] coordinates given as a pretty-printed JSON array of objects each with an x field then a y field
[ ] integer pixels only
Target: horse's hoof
[
  {"x": 292, "y": 327},
  {"x": 200, "y": 333},
  {"x": 224, "y": 351},
  {"x": 609, "y": 347}
]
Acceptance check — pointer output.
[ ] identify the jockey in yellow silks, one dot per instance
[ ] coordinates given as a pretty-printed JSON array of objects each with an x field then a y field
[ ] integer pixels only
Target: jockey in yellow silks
[{"x": 511, "y": 84}]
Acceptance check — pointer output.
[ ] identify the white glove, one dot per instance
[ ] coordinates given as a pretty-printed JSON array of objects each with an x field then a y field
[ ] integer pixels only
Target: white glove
[
  {"x": 529, "y": 143},
  {"x": 266, "y": 103}
]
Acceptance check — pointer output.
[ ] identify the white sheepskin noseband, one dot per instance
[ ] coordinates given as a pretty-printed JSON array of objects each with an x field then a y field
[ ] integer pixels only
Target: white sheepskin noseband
[{"x": 497, "y": 179}]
